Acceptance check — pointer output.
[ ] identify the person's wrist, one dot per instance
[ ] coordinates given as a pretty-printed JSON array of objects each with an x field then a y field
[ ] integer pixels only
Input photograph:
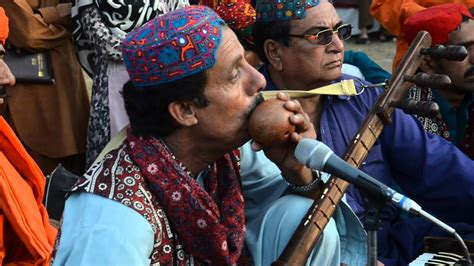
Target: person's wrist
[
  {"x": 316, "y": 178},
  {"x": 298, "y": 175}
]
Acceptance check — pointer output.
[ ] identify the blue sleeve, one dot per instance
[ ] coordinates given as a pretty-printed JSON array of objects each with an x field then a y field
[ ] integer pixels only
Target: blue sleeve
[
  {"x": 99, "y": 231},
  {"x": 261, "y": 180},
  {"x": 429, "y": 169},
  {"x": 272, "y": 218},
  {"x": 371, "y": 70}
]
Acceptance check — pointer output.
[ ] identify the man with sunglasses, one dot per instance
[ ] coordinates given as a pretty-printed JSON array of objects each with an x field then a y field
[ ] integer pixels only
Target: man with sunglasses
[{"x": 301, "y": 44}]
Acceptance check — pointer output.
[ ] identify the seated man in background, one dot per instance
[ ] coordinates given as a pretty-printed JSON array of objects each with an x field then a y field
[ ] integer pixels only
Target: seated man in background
[
  {"x": 170, "y": 194},
  {"x": 240, "y": 16},
  {"x": 302, "y": 46},
  {"x": 449, "y": 24}
]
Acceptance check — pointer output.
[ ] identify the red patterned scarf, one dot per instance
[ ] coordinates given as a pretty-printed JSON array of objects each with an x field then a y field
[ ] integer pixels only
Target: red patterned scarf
[{"x": 210, "y": 223}]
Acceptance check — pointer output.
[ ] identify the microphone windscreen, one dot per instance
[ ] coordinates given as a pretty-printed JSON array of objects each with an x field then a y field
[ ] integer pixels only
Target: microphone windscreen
[{"x": 312, "y": 153}]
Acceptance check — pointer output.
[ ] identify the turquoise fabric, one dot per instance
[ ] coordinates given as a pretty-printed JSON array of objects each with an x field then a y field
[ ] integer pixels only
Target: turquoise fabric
[
  {"x": 455, "y": 118},
  {"x": 372, "y": 71}
]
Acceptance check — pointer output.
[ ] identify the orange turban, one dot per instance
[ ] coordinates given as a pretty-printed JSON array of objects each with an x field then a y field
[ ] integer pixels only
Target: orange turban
[{"x": 3, "y": 26}]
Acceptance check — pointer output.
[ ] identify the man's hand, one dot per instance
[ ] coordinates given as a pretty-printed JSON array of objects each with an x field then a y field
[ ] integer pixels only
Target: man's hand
[
  {"x": 6, "y": 76},
  {"x": 282, "y": 154}
]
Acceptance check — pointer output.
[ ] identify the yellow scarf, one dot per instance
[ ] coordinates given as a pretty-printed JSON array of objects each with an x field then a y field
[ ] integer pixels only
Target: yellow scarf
[{"x": 345, "y": 87}]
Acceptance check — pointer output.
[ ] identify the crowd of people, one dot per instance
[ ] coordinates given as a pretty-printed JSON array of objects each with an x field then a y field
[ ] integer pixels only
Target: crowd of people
[{"x": 168, "y": 173}]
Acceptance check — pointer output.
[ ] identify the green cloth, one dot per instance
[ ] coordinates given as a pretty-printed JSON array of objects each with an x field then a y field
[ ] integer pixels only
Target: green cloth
[{"x": 371, "y": 70}]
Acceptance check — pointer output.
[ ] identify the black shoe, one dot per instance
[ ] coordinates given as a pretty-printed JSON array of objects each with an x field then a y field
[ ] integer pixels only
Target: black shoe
[{"x": 362, "y": 41}]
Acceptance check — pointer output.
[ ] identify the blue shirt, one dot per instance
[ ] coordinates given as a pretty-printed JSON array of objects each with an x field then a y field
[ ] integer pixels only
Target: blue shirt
[{"x": 428, "y": 169}]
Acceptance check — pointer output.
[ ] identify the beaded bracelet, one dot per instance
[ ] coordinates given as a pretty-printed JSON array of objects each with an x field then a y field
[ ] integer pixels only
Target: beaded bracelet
[{"x": 308, "y": 187}]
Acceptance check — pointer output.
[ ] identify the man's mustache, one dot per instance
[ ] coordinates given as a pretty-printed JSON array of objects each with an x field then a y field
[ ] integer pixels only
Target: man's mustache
[{"x": 257, "y": 101}]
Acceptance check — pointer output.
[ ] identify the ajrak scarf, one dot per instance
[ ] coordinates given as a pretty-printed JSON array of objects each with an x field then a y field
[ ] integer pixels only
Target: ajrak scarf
[
  {"x": 210, "y": 223},
  {"x": 119, "y": 16}
]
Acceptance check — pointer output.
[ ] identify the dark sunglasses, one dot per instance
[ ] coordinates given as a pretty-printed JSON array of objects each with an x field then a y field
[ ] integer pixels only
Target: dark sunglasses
[{"x": 324, "y": 37}]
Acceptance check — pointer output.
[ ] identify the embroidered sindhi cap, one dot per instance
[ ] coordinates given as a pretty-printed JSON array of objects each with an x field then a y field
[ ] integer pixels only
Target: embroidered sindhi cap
[
  {"x": 173, "y": 46},
  {"x": 238, "y": 14},
  {"x": 439, "y": 21},
  {"x": 280, "y": 10}
]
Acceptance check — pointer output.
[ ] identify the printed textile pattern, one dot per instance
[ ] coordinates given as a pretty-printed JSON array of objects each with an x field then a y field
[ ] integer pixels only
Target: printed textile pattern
[
  {"x": 211, "y": 222},
  {"x": 238, "y": 14},
  {"x": 116, "y": 177},
  {"x": 173, "y": 46},
  {"x": 145, "y": 176},
  {"x": 98, "y": 130},
  {"x": 118, "y": 16}
]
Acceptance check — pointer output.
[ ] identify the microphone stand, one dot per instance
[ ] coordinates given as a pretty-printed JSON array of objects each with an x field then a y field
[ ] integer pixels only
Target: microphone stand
[{"x": 373, "y": 204}]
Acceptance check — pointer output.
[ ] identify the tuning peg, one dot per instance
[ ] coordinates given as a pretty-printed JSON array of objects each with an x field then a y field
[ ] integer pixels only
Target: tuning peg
[
  {"x": 421, "y": 108},
  {"x": 449, "y": 52},
  {"x": 433, "y": 81}
]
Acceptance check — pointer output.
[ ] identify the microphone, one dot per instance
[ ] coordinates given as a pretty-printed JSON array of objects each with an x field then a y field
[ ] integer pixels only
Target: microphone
[{"x": 316, "y": 155}]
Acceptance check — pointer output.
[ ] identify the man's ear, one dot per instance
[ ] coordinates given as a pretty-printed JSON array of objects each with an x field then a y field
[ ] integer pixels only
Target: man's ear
[
  {"x": 184, "y": 113},
  {"x": 273, "y": 52},
  {"x": 428, "y": 65}
]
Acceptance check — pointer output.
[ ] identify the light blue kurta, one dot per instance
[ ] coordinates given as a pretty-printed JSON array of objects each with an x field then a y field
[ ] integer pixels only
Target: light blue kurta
[{"x": 99, "y": 231}]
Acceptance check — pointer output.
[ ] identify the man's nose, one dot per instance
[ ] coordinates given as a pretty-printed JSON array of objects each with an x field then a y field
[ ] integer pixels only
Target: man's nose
[
  {"x": 337, "y": 45},
  {"x": 259, "y": 80}
]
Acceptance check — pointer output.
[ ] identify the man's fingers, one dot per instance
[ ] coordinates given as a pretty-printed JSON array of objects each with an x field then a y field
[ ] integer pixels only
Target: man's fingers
[
  {"x": 282, "y": 96},
  {"x": 294, "y": 106}
]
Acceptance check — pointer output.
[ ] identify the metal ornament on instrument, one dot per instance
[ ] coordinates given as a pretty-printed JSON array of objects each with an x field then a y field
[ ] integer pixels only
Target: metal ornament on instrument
[{"x": 345, "y": 87}]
